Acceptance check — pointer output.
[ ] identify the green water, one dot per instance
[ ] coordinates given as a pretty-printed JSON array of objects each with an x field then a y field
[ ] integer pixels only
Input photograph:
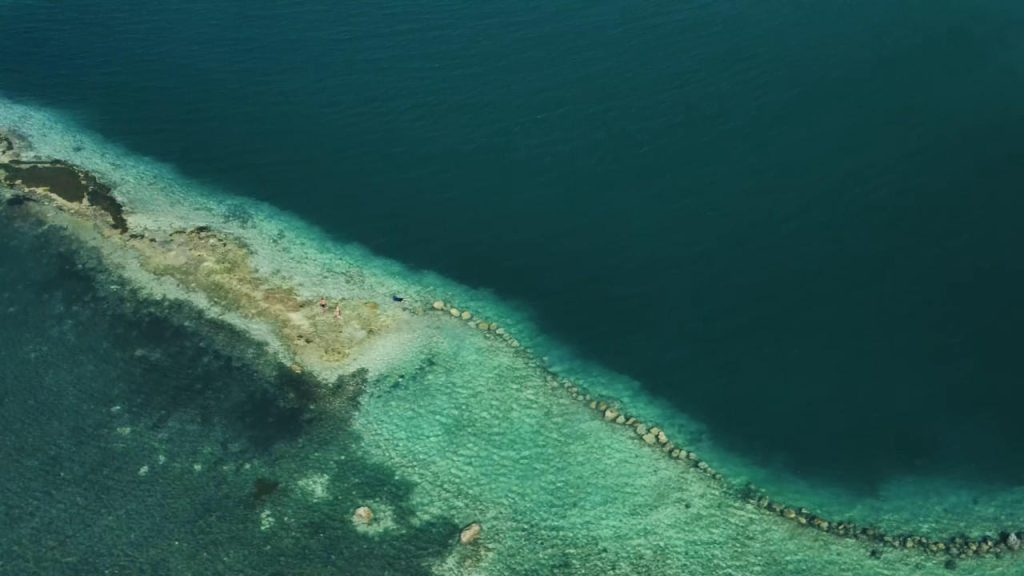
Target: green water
[
  {"x": 172, "y": 418},
  {"x": 785, "y": 234}
]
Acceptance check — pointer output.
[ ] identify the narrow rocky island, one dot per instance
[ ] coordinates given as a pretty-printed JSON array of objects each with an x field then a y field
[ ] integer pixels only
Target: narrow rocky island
[
  {"x": 210, "y": 266},
  {"x": 332, "y": 334}
]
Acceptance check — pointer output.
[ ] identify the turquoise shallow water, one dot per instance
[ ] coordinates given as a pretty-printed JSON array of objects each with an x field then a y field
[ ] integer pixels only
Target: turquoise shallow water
[
  {"x": 776, "y": 209},
  {"x": 798, "y": 255},
  {"x": 151, "y": 459}
]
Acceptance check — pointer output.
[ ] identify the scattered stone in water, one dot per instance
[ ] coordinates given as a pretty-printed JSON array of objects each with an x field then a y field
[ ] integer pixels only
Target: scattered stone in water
[
  {"x": 620, "y": 420},
  {"x": 439, "y": 305},
  {"x": 610, "y": 414},
  {"x": 482, "y": 325},
  {"x": 466, "y": 315},
  {"x": 362, "y": 516},
  {"x": 263, "y": 487},
  {"x": 18, "y": 200},
  {"x": 1012, "y": 541},
  {"x": 492, "y": 326},
  {"x": 662, "y": 439},
  {"x": 455, "y": 312},
  {"x": 470, "y": 533},
  {"x": 649, "y": 438}
]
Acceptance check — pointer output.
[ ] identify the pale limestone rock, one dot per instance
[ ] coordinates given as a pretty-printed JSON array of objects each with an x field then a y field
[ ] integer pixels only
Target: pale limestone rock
[
  {"x": 439, "y": 305},
  {"x": 362, "y": 516},
  {"x": 470, "y": 533}
]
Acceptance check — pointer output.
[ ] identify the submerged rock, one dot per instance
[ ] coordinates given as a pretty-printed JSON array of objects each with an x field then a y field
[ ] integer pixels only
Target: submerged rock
[
  {"x": 263, "y": 487},
  {"x": 470, "y": 533},
  {"x": 1012, "y": 541},
  {"x": 439, "y": 305},
  {"x": 363, "y": 516}
]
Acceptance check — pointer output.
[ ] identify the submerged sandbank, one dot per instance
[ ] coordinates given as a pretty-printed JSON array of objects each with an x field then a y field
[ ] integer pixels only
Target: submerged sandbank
[{"x": 227, "y": 276}]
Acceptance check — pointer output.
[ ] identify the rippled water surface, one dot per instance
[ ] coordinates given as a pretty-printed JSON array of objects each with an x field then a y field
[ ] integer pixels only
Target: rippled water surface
[{"x": 795, "y": 227}]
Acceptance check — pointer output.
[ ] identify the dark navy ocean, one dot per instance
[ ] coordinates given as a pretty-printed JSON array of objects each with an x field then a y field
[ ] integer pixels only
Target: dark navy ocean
[{"x": 795, "y": 226}]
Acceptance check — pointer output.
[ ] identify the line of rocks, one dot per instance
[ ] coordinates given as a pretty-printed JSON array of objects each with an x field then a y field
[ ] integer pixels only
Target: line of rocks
[
  {"x": 478, "y": 323},
  {"x": 955, "y": 548}
]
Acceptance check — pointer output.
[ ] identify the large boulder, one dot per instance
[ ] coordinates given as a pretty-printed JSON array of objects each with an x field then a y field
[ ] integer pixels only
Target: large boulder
[
  {"x": 363, "y": 516},
  {"x": 470, "y": 533}
]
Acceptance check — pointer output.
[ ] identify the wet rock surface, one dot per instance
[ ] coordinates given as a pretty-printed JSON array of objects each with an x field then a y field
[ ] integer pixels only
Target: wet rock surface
[{"x": 62, "y": 180}]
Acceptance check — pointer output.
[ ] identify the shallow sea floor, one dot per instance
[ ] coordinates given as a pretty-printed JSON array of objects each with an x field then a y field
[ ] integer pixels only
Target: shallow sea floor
[{"x": 140, "y": 436}]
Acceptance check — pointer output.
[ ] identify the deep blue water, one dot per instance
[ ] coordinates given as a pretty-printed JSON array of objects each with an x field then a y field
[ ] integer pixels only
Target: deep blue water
[{"x": 799, "y": 222}]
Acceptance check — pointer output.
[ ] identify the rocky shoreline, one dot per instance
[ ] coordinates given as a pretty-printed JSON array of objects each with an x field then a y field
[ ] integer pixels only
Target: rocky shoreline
[{"x": 219, "y": 268}]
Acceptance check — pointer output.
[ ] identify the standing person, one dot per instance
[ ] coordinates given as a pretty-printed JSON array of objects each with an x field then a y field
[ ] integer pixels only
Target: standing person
[
  {"x": 323, "y": 305},
  {"x": 337, "y": 312}
]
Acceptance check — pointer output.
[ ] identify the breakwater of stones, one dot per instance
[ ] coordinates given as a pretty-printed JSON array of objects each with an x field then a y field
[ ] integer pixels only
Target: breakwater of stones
[{"x": 954, "y": 548}]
